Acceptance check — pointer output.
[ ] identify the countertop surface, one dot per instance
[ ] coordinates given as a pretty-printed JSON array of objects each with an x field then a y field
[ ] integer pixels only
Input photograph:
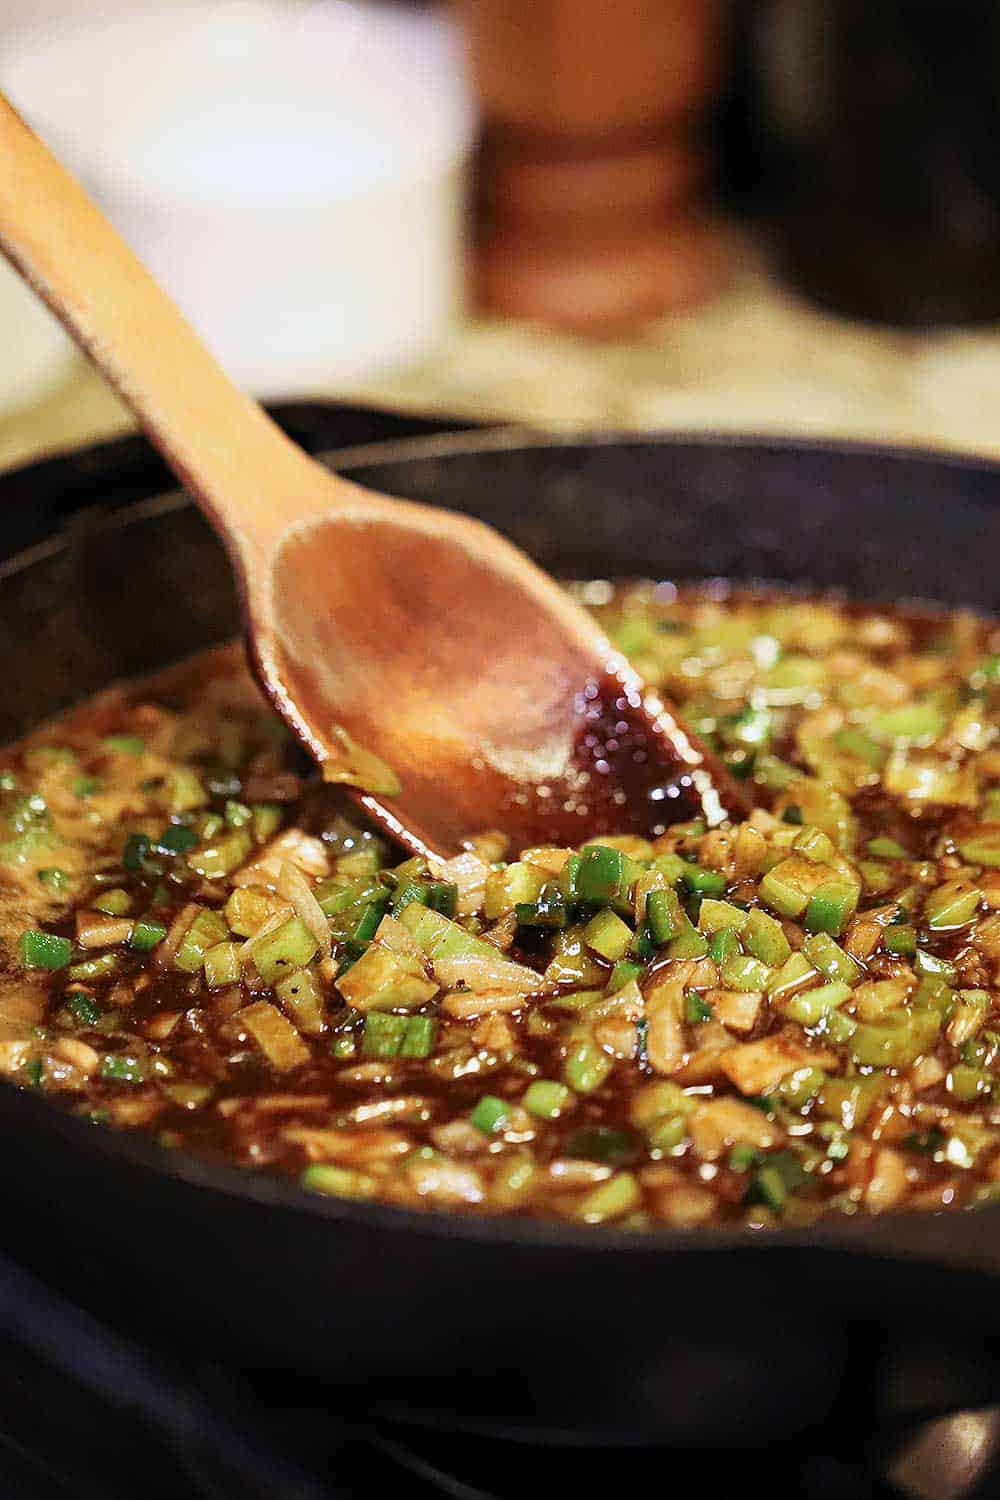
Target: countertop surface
[{"x": 756, "y": 358}]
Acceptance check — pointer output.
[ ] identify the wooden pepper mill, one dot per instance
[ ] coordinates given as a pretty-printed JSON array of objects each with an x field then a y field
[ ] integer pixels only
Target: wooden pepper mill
[{"x": 591, "y": 157}]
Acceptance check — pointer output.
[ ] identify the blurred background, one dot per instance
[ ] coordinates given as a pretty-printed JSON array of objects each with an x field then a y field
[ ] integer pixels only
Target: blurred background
[{"x": 776, "y": 215}]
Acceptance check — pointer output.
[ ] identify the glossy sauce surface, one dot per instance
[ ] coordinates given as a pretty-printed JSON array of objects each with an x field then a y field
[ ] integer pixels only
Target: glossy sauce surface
[{"x": 792, "y": 1014}]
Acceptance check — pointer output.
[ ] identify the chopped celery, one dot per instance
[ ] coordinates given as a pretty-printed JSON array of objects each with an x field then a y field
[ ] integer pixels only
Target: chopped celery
[
  {"x": 549, "y": 910},
  {"x": 897, "y": 1040},
  {"x": 982, "y": 847},
  {"x": 510, "y": 887},
  {"x": 205, "y": 931},
  {"x": 795, "y": 973},
  {"x": 145, "y": 935},
  {"x": 886, "y": 848},
  {"x": 124, "y": 744},
  {"x": 419, "y": 1037},
  {"x": 714, "y": 916},
  {"x": 901, "y": 939},
  {"x": 223, "y": 856},
  {"x": 222, "y": 965},
  {"x": 267, "y": 819},
  {"x": 601, "y": 876},
  {"x": 623, "y": 973},
  {"x": 664, "y": 916},
  {"x": 547, "y": 1100},
  {"x": 586, "y": 1066},
  {"x": 383, "y": 1034},
  {"x": 809, "y": 1007},
  {"x": 849, "y": 1101},
  {"x": 300, "y": 995},
  {"x": 802, "y": 1086},
  {"x": 831, "y": 907},
  {"x": 703, "y": 882},
  {"x": 696, "y": 1009},
  {"x": 94, "y": 968},
  {"x": 764, "y": 938},
  {"x": 608, "y": 935},
  {"x": 967, "y": 1083},
  {"x": 115, "y": 902},
  {"x": 914, "y": 721},
  {"x": 490, "y": 1114},
  {"x": 815, "y": 845},
  {"x": 689, "y": 942},
  {"x": 337, "y": 1182},
  {"x": 830, "y": 960},
  {"x": 609, "y": 1200},
  {"x": 55, "y": 879},
  {"x": 743, "y": 972},
  {"x": 383, "y": 980},
  {"x": 723, "y": 945},
  {"x": 951, "y": 905}
]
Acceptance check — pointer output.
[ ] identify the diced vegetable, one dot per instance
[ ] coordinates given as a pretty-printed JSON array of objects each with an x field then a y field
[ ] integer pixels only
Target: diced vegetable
[
  {"x": 44, "y": 950},
  {"x": 608, "y": 935},
  {"x": 547, "y": 1100},
  {"x": 490, "y": 1114}
]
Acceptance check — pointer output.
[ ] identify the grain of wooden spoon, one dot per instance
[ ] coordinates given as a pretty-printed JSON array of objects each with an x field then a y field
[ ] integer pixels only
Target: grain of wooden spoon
[{"x": 418, "y": 634}]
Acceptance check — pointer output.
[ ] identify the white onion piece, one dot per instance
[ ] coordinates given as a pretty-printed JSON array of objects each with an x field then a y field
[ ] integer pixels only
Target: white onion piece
[
  {"x": 468, "y": 872},
  {"x": 292, "y": 847},
  {"x": 270, "y": 924},
  {"x": 486, "y": 974},
  {"x": 294, "y": 886},
  {"x": 393, "y": 935}
]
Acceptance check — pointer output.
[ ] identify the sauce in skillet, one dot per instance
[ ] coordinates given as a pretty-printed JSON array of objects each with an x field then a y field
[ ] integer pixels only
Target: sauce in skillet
[{"x": 786, "y": 1016}]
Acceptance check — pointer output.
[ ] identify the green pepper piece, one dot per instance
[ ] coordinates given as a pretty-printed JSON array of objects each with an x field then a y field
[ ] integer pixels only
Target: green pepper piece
[{"x": 44, "y": 950}]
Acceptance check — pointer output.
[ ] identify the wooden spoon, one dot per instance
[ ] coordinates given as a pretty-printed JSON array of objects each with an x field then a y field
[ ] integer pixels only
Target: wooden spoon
[{"x": 416, "y": 633}]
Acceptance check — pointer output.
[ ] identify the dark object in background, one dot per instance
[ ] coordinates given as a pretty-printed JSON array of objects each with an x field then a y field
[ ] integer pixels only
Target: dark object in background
[
  {"x": 879, "y": 132},
  {"x": 593, "y": 159},
  {"x": 513, "y": 1328}
]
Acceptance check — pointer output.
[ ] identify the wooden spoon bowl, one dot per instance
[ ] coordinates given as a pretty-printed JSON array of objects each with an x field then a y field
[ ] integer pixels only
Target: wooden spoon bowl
[{"x": 387, "y": 634}]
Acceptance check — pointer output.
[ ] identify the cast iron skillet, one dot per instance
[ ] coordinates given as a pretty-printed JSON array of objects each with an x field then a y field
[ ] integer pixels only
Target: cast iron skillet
[{"x": 505, "y": 1325}]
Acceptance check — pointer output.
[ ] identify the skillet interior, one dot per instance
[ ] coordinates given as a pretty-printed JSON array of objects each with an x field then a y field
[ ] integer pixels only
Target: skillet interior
[{"x": 587, "y": 1328}]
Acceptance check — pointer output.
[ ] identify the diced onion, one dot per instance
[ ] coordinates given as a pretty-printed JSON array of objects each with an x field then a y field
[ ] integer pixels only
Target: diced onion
[
  {"x": 293, "y": 885},
  {"x": 486, "y": 974},
  {"x": 468, "y": 872}
]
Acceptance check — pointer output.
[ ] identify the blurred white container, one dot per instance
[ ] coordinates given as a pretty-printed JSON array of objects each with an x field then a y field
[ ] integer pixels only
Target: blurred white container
[
  {"x": 35, "y": 354},
  {"x": 293, "y": 174}
]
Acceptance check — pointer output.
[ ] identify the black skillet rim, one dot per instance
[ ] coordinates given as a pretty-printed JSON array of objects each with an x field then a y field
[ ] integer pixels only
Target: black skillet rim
[{"x": 863, "y": 1235}]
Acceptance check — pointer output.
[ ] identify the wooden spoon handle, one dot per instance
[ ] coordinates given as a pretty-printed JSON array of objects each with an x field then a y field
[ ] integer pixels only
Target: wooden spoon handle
[{"x": 251, "y": 479}]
